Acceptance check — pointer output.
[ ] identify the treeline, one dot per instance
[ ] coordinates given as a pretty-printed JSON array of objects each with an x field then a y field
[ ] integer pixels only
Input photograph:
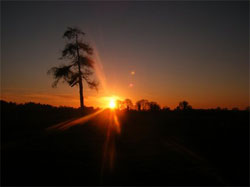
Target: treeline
[
  {"x": 37, "y": 106},
  {"x": 19, "y": 121},
  {"x": 145, "y": 105},
  {"x": 127, "y": 104},
  {"x": 40, "y": 114}
]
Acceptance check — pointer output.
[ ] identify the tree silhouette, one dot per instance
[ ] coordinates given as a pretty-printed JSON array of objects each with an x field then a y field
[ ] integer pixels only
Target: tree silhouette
[
  {"x": 153, "y": 106},
  {"x": 142, "y": 104},
  {"x": 166, "y": 108},
  {"x": 80, "y": 66},
  {"x": 183, "y": 105},
  {"x": 235, "y": 109},
  {"x": 128, "y": 103}
]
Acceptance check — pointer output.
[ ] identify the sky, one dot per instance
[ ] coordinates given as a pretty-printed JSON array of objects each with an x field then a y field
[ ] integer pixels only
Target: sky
[{"x": 165, "y": 51}]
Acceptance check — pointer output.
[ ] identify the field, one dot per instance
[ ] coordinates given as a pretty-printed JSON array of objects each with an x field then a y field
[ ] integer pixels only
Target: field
[{"x": 196, "y": 147}]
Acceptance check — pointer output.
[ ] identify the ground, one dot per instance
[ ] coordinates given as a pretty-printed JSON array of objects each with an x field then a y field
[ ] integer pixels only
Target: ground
[{"x": 137, "y": 148}]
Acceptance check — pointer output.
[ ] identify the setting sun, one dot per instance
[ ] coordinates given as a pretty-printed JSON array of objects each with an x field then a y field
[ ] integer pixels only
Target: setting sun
[
  {"x": 112, "y": 104},
  {"x": 125, "y": 93}
]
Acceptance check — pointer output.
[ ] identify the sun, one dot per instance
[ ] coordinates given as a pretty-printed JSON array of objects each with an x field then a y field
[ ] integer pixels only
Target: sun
[{"x": 112, "y": 103}]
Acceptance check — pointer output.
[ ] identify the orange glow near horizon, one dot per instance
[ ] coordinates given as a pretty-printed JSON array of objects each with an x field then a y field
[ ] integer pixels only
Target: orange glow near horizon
[{"x": 104, "y": 101}]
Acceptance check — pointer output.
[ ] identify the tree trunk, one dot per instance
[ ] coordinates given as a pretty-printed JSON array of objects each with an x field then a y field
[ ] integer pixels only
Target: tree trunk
[
  {"x": 80, "y": 78},
  {"x": 81, "y": 92}
]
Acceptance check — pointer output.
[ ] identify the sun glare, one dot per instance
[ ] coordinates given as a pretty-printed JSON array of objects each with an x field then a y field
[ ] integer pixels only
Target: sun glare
[{"x": 112, "y": 104}]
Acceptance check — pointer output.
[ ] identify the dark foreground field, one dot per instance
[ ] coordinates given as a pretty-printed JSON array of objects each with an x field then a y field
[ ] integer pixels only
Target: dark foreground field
[{"x": 152, "y": 148}]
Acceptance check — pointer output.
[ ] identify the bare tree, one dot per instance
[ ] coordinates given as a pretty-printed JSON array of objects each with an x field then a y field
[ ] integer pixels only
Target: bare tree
[{"x": 80, "y": 66}]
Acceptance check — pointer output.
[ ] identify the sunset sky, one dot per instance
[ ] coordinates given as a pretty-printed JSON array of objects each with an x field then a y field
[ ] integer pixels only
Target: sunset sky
[{"x": 161, "y": 51}]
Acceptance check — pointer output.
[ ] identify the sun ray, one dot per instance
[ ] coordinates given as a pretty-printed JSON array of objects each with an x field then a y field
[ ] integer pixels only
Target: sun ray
[{"x": 79, "y": 121}]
